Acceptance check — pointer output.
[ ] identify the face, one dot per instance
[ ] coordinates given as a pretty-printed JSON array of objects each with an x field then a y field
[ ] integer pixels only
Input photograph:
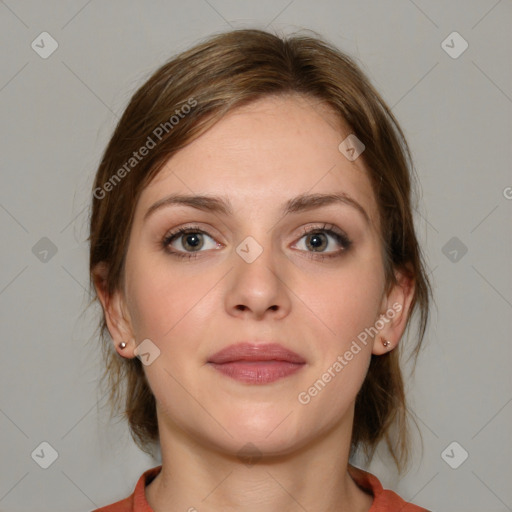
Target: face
[{"x": 273, "y": 269}]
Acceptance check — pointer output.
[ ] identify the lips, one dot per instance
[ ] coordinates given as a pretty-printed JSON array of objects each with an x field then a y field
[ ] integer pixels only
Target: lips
[
  {"x": 256, "y": 363},
  {"x": 255, "y": 352}
]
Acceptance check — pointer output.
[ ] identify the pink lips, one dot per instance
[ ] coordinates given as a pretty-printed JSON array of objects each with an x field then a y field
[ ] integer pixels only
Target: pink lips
[{"x": 256, "y": 363}]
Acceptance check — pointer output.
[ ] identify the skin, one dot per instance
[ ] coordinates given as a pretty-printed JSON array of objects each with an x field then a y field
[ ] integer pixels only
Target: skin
[{"x": 259, "y": 157}]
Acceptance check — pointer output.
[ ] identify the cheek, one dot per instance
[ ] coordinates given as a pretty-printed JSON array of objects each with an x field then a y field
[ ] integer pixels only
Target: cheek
[
  {"x": 165, "y": 304},
  {"x": 156, "y": 300},
  {"x": 348, "y": 306},
  {"x": 350, "y": 300}
]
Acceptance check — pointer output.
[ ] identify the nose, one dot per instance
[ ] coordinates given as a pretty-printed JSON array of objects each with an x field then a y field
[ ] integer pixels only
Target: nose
[{"x": 258, "y": 289}]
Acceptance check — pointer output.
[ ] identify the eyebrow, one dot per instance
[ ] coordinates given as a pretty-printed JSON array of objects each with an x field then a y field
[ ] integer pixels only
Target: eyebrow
[{"x": 220, "y": 205}]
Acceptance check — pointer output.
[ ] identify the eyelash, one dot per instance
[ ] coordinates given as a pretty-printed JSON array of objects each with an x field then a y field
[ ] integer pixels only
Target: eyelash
[{"x": 330, "y": 229}]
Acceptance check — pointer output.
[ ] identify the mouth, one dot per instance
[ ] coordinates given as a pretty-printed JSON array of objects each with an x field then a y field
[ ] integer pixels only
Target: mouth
[{"x": 256, "y": 363}]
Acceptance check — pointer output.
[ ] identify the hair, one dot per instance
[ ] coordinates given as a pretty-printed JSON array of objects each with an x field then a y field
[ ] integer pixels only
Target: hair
[{"x": 180, "y": 101}]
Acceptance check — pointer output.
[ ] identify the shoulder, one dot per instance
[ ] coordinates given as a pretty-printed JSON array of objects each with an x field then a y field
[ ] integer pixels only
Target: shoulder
[
  {"x": 383, "y": 500},
  {"x": 136, "y": 502},
  {"x": 389, "y": 501},
  {"x": 125, "y": 505}
]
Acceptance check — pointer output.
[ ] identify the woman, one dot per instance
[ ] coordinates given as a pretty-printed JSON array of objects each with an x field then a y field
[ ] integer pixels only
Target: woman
[{"x": 254, "y": 253}]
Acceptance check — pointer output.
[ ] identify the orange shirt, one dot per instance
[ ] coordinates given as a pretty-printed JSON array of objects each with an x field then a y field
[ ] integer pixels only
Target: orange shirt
[{"x": 383, "y": 500}]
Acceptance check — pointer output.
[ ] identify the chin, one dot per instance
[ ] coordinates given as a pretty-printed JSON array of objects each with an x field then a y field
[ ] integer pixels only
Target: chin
[
  {"x": 273, "y": 433},
  {"x": 244, "y": 446}
]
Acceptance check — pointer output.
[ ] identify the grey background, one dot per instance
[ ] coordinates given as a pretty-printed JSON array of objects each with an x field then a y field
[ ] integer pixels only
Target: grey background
[{"x": 57, "y": 114}]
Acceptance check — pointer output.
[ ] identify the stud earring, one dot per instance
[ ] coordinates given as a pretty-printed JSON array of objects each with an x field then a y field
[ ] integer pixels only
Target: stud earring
[
  {"x": 386, "y": 343},
  {"x": 122, "y": 345}
]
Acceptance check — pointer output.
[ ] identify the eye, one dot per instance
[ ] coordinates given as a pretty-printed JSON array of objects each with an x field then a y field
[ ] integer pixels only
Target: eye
[
  {"x": 316, "y": 241},
  {"x": 191, "y": 239},
  {"x": 187, "y": 242}
]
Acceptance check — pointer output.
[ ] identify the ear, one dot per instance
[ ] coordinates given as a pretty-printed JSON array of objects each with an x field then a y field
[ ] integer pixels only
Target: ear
[
  {"x": 395, "y": 310},
  {"x": 116, "y": 315}
]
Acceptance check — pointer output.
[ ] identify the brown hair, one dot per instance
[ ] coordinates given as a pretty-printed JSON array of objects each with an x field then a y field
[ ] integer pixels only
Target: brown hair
[{"x": 189, "y": 94}]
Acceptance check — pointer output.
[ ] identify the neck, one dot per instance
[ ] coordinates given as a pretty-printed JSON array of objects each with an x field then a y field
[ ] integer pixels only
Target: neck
[{"x": 314, "y": 477}]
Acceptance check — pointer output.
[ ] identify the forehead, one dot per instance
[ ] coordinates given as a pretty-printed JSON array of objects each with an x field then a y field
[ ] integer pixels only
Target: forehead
[{"x": 265, "y": 152}]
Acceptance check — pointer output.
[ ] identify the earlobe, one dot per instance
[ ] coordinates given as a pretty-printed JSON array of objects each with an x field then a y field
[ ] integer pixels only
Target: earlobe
[
  {"x": 396, "y": 307},
  {"x": 382, "y": 345},
  {"x": 117, "y": 320}
]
